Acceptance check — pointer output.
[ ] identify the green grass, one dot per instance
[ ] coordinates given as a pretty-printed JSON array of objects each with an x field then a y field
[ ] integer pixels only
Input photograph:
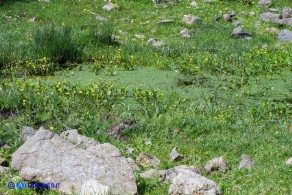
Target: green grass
[{"x": 210, "y": 95}]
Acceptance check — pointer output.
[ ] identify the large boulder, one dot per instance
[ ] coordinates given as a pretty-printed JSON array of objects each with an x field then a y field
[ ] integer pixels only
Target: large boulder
[
  {"x": 190, "y": 183},
  {"x": 46, "y": 157}
]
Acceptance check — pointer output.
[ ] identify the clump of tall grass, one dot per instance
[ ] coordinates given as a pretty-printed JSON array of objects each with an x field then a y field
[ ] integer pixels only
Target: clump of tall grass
[
  {"x": 105, "y": 34},
  {"x": 56, "y": 44}
]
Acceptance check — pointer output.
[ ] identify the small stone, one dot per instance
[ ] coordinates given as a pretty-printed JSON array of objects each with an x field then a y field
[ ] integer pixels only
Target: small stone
[
  {"x": 210, "y": 1},
  {"x": 116, "y": 130},
  {"x": 94, "y": 187},
  {"x": 129, "y": 150},
  {"x": 175, "y": 155},
  {"x": 189, "y": 183},
  {"x": 246, "y": 162},
  {"x": 165, "y": 22},
  {"x": 270, "y": 17},
  {"x": 285, "y": 35},
  {"x": 191, "y": 20},
  {"x": 289, "y": 162},
  {"x": 151, "y": 40},
  {"x": 272, "y": 30},
  {"x": 4, "y": 162},
  {"x": 226, "y": 17},
  {"x": 216, "y": 164},
  {"x": 285, "y": 21},
  {"x": 252, "y": 13},
  {"x": 6, "y": 147},
  {"x": 100, "y": 18},
  {"x": 129, "y": 121},
  {"x": 266, "y": 3},
  {"x": 27, "y": 132},
  {"x": 147, "y": 160},
  {"x": 110, "y": 6},
  {"x": 171, "y": 173},
  {"x": 33, "y": 19},
  {"x": 45, "y": 1},
  {"x": 186, "y": 33},
  {"x": 194, "y": 4},
  {"x": 3, "y": 170},
  {"x": 287, "y": 12},
  {"x": 150, "y": 174},
  {"x": 158, "y": 44},
  {"x": 274, "y": 10},
  {"x": 240, "y": 33},
  {"x": 140, "y": 36}
]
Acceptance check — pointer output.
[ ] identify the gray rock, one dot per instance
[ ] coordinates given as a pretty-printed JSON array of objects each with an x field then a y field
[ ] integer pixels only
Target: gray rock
[
  {"x": 100, "y": 18},
  {"x": 116, "y": 130},
  {"x": 191, "y": 20},
  {"x": 27, "y": 132},
  {"x": 289, "y": 162},
  {"x": 285, "y": 21},
  {"x": 190, "y": 183},
  {"x": 79, "y": 140},
  {"x": 46, "y": 157},
  {"x": 6, "y": 147},
  {"x": 226, "y": 17},
  {"x": 246, "y": 162},
  {"x": 92, "y": 187},
  {"x": 4, "y": 162},
  {"x": 45, "y": 1},
  {"x": 158, "y": 44},
  {"x": 287, "y": 12},
  {"x": 272, "y": 30},
  {"x": 150, "y": 174},
  {"x": 151, "y": 40},
  {"x": 167, "y": 21},
  {"x": 147, "y": 160},
  {"x": 210, "y": 1},
  {"x": 133, "y": 164},
  {"x": 3, "y": 170},
  {"x": 171, "y": 173},
  {"x": 285, "y": 35},
  {"x": 33, "y": 19},
  {"x": 194, "y": 4},
  {"x": 274, "y": 10},
  {"x": 110, "y": 6},
  {"x": 266, "y": 3},
  {"x": 175, "y": 155},
  {"x": 186, "y": 33},
  {"x": 140, "y": 36},
  {"x": 270, "y": 17},
  {"x": 240, "y": 33},
  {"x": 252, "y": 13},
  {"x": 216, "y": 164}
]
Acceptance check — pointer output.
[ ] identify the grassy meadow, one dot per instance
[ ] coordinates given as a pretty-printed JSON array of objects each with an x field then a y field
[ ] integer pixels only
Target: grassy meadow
[{"x": 210, "y": 95}]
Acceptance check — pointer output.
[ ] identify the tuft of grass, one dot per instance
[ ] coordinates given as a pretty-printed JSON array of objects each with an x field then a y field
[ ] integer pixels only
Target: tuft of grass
[{"x": 56, "y": 44}]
